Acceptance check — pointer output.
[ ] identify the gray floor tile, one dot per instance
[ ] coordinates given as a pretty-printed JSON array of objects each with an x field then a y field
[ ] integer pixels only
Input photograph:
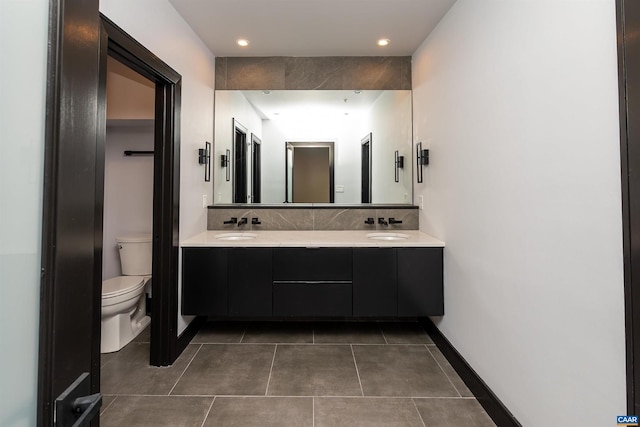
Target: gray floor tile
[
  {"x": 365, "y": 412},
  {"x": 144, "y": 336},
  {"x": 279, "y": 332},
  {"x": 156, "y": 411},
  {"x": 220, "y": 333},
  {"x": 404, "y": 333},
  {"x": 106, "y": 401},
  {"x": 453, "y": 413},
  {"x": 129, "y": 371},
  {"x": 261, "y": 412},
  {"x": 305, "y": 370},
  {"x": 347, "y": 333},
  {"x": 106, "y": 358},
  {"x": 450, "y": 372},
  {"x": 401, "y": 370},
  {"x": 228, "y": 369}
]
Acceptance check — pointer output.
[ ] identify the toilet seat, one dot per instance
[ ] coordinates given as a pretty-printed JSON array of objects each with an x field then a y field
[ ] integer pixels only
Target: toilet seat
[{"x": 121, "y": 288}]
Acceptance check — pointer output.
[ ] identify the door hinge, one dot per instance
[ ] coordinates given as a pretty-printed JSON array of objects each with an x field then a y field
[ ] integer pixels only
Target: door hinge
[{"x": 75, "y": 407}]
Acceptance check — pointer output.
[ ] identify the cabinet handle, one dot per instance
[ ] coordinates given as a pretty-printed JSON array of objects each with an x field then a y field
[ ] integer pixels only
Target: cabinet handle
[{"x": 312, "y": 282}]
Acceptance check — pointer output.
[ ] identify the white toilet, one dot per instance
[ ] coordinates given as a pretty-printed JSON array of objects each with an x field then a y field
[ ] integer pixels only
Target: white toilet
[{"x": 123, "y": 297}]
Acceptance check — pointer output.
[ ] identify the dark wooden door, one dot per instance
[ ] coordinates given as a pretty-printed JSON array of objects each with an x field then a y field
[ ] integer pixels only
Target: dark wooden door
[
  {"x": 256, "y": 170},
  {"x": 71, "y": 248},
  {"x": 366, "y": 170},
  {"x": 69, "y": 345},
  {"x": 628, "y": 14},
  {"x": 239, "y": 165}
]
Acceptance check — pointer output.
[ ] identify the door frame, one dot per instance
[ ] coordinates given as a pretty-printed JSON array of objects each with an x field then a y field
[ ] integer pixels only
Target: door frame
[
  {"x": 73, "y": 196},
  {"x": 366, "y": 141},
  {"x": 166, "y": 182},
  {"x": 256, "y": 169},
  {"x": 238, "y": 127},
  {"x": 311, "y": 144},
  {"x": 628, "y": 25}
]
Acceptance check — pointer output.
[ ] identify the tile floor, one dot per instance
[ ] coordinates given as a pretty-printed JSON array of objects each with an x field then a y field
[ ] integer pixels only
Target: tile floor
[{"x": 291, "y": 374}]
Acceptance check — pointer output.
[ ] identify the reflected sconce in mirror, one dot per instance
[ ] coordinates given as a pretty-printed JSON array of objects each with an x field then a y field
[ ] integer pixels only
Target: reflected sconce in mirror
[
  {"x": 422, "y": 159},
  {"x": 224, "y": 163},
  {"x": 399, "y": 164},
  {"x": 204, "y": 158}
]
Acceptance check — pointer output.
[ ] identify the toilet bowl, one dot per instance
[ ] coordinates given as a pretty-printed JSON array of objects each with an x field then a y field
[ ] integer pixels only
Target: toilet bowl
[{"x": 123, "y": 297}]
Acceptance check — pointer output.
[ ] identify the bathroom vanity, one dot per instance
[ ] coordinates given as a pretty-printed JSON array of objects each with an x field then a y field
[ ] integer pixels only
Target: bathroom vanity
[{"x": 286, "y": 274}]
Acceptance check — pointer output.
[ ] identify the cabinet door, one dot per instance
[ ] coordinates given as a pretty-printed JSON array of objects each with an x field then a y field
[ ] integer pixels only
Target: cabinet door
[
  {"x": 250, "y": 282},
  {"x": 420, "y": 282},
  {"x": 309, "y": 264},
  {"x": 374, "y": 282},
  {"x": 204, "y": 281},
  {"x": 312, "y": 299}
]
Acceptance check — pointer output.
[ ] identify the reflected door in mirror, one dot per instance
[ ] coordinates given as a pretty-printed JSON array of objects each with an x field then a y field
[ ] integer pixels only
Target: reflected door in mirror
[
  {"x": 366, "y": 169},
  {"x": 239, "y": 163},
  {"x": 310, "y": 165},
  {"x": 256, "y": 171}
]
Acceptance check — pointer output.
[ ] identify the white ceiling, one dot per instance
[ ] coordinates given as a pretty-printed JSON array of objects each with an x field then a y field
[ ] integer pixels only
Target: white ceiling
[{"x": 312, "y": 27}]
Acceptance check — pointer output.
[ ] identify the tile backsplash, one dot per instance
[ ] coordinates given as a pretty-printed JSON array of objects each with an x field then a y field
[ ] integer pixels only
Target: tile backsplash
[{"x": 313, "y": 218}]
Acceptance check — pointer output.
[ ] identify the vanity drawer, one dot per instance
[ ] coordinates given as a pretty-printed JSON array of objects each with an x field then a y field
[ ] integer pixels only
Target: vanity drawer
[
  {"x": 312, "y": 264},
  {"x": 312, "y": 299}
]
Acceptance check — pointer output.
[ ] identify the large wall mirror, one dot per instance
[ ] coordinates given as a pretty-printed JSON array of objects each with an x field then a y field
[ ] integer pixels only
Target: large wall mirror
[{"x": 313, "y": 146}]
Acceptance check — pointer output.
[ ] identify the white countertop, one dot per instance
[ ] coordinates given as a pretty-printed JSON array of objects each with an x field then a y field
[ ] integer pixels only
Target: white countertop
[{"x": 347, "y": 238}]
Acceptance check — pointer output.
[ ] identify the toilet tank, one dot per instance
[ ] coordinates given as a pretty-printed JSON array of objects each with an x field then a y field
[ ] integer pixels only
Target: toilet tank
[{"x": 135, "y": 254}]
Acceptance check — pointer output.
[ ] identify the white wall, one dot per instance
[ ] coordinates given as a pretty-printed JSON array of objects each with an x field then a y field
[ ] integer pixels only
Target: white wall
[
  {"x": 231, "y": 104},
  {"x": 129, "y": 94},
  {"x": 23, "y": 43},
  {"x": 128, "y": 188},
  {"x": 389, "y": 121},
  {"x": 517, "y": 101},
  {"x": 157, "y": 26}
]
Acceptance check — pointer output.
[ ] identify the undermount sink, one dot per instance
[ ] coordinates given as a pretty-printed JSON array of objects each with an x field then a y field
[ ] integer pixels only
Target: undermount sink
[
  {"x": 387, "y": 236},
  {"x": 236, "y": 236}
]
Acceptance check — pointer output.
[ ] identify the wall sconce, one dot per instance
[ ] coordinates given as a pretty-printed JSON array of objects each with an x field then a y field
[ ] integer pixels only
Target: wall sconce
[
  {"x": 422, "y": 159},
  {"x": 204, "y": 158},
  {"x": 224, "y": 163},
  {"x": 399, "y": 164}
]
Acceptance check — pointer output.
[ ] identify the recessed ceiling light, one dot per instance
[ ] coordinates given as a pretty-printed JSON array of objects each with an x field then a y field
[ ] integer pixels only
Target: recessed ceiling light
[
  {"x": 357, "y": 92},
  {"x": 266, "y": 92},
  {"x": 243, "y": 42},
  {"x": 383, "y": 42}
]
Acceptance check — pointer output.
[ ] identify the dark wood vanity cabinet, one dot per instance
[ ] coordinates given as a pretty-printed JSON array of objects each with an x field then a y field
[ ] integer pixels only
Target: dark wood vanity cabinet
[
  {"x": 375, "y": 286},
  {"x": 249, "y": 278},
  {"x": 204, "y": 281},
  {"x": 397, "y": 282},
  {"x": 420, "y": 290},
  {"x": 312, "y": 282}
]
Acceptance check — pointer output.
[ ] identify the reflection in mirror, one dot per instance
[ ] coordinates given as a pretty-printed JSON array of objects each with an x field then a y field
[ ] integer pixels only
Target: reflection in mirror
[
  {"x": 239, "y": 162},
  {"x": 311, "y": 169},
  {"x": 365, "y": 174},
  {"x": 256, "y": 171},
  {"x": 264, "y": 166}
]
